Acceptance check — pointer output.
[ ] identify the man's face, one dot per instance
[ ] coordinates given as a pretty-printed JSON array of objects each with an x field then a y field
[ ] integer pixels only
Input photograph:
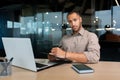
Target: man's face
[{"x": 75, "y": 22}]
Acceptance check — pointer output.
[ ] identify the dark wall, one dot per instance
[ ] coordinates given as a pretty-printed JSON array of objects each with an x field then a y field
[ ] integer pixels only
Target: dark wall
[
  {"x": 4, "y": 16},
  {"x": 110, "y": 51}
]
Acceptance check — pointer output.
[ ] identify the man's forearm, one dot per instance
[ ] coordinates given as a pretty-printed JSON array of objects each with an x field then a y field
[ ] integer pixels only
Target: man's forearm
[{"x": 76, "y": 57}]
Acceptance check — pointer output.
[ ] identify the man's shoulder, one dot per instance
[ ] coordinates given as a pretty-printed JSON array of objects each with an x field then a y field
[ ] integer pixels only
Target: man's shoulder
[
  {"x": 88, "y": 33},
  {"x": 66, "y": 36}
]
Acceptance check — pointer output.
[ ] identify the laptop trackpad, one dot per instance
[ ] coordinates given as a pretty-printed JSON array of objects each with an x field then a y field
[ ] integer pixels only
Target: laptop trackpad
[{"x": 42, "y": 63}]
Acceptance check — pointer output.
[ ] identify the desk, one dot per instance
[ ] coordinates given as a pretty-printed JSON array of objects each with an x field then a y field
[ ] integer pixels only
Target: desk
[{"x": 103, "y": 71}]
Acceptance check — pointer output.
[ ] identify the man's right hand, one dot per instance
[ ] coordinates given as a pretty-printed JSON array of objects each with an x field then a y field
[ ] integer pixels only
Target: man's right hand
[{"x": 51, "y": 57}]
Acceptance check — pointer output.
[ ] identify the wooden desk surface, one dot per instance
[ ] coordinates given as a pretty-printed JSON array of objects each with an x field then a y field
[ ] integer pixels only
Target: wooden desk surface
[{"x": 103, "y": 71}]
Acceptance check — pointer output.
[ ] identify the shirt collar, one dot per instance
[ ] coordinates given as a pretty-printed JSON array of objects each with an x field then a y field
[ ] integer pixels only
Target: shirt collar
[{"x": 81, "y": 32}]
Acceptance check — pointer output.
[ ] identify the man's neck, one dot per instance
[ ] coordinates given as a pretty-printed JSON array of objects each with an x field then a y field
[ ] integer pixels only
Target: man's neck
[{"x": 76, "y": 32}]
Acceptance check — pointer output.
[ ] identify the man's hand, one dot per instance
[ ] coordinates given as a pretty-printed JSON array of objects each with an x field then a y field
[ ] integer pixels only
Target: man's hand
[
  {"x": 58, "y": 52},
  {"x": 51, "y": 57}
]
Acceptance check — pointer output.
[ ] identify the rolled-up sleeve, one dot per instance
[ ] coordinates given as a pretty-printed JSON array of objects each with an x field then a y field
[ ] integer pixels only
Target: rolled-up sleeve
[{"x": 93, "y": 49}]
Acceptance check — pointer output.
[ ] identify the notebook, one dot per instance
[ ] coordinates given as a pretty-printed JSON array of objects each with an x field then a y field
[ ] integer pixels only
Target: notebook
[
  {"x": 82, "y": 68},
  {"x": 21, "y": 50}
]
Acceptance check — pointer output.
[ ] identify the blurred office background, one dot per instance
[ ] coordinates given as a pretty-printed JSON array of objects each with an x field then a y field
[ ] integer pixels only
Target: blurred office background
[{"x": 44, "y": 21}]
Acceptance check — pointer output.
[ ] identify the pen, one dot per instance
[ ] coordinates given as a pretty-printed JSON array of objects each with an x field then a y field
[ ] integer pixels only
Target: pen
[{"x": 5, "y": 68}]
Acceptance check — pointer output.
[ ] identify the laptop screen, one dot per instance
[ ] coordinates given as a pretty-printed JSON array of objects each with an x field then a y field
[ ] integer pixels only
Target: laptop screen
[{"x": 21, "y": 50}]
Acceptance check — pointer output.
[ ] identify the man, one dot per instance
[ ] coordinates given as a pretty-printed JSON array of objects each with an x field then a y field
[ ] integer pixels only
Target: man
[{"x": 81, "y": 46}]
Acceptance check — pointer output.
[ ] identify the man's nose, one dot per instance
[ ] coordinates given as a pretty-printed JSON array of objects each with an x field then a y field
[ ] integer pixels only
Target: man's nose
[{"x": 73, "y": 23}]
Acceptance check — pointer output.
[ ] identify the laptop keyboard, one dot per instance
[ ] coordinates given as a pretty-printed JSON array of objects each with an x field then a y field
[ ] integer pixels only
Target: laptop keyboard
[{"x": 40, "y": 65}]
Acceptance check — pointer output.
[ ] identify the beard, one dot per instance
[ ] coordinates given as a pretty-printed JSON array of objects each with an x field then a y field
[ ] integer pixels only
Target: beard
[{"x": 76, "y": 29}]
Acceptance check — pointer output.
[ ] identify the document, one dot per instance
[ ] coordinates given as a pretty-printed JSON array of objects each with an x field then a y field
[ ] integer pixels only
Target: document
[{"x": 82, "y": 68}]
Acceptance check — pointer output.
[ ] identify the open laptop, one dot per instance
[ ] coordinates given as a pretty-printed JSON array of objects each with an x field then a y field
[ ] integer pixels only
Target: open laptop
[{"x": 21, "y": 50}]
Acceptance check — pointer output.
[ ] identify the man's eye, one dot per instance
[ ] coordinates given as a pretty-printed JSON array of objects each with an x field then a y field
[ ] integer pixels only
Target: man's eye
[{"x": 75, "y": 20}]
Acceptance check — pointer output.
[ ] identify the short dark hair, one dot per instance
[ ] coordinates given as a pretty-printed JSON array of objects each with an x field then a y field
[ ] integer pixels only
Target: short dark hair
[{"x": 77, "y": 12}]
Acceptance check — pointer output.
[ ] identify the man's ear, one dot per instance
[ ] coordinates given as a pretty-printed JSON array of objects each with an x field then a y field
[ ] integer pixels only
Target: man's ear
[{"x": 81, "y": 19}]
